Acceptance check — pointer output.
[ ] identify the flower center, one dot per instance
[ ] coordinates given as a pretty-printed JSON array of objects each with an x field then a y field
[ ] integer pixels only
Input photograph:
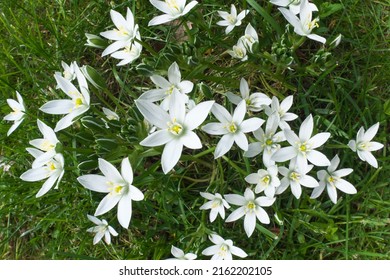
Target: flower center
[
  {"x": 47, "y": 145},
  {"x": 232, "y": 127},
  {"x": 231, "y": 19},
  {"x": 175, "y": 128},
  {"x": 172, "y": 4},
  {"x": 303, "y": 148},
  {"x": 265, "y": 180},
  {"x": 78, "y": 102},
  {"x": 52, "y": 166},
  {"x": 250, "y": 206},
  {"x": 216, "y": 203},
  {"x": 311, "y": 24},
  {"x": 332, "y": 181},
  {"x": 269, "y": 142},
  {"x": 239, "y": 52},
  {"x": 223, "y": 250},
  {"x": 295, "y": 176},
  {"x": 363, "y": 146},
  {"x": 170, "y": 90},
  {"x": 68, "y": 75},
  {"x": 122, "y": 31}
]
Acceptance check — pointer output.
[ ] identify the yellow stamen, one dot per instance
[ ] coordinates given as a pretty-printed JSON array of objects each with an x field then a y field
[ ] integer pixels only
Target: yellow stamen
[
  {"x": 172, "y": 4},
  {"x": 265, "y": 179},
  {"x": 269, "y": 142},
  {"x": 232, "y": 127},
  {"x": 175, "y": 128},
  {"x": 303, "y": 148},
  {"x": 295, "y": 176},
  {"x": 78, "y": 102}
]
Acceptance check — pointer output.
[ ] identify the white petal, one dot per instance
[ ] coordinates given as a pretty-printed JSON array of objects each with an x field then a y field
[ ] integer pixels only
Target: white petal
[
  {"x": 161, "y": 5},
  {"x": 236, "y": 214},
  {"x": 284, "y": 154},
  {"x": 191, "y": 140},
  {"x": 124, "y": 210},
  {"x": 135, "y": 193},
  {"x": 215, "y": 128},
  {"x": 185, "y": 86},
  {"x": 158, "y": 138},
  {"x": 345, "y": 186},
  {"x": 174, "y": 75},
  {"x": 317, "y": 38},
  {"x": 126, "y": 170},
  {"x": 235, "y": 199},
  {"x": 374, "y": 146},
  {"x": 198, "y": 114},
  {"x": 98, "y": 236},
  {"x": 317, "y": 158},
  {"x": 58, "y": 107},
  {"x": 238, "y": 252},
  {"x": 317, "y": 191},
  {"x": 306, "y": 129},
  {"x": 253, "y": 150},
  {"x": 47, "y": 185},
  {"x": 153, "y": 95},
  {"x": 96, "y": 183},
  {"x": 171, "y": 155},
  {"x": 239, "y": 113},
  {"x": 241, "y": 140},
  {"x": 233, "y": 98},
  {"x": 319, "y": 139},
  {"x": 249, "y": 223},
  {"x": 211, "y": 250},
  {"x": 221, "y": 113},
  {"x": 153, "y": 113},
  {"x": 244, "y": 88},
  {"x": 296, "y": 189},
  {"x": 13, "y": 127},
  {"x": 293, "y": 20},
  {"x": 189, "y": 6},
  {"x": 160, "y": 19},
  {"x": 251, "y": 124},
  {"x": 352, "y": 145},
  {"x": 114, "y": 47},
  {"x": 343, "y": 172},
  {"x": 332, "y": 193},
  {"x": 224, "y": 145},
  {"x": 262, "y": 215},
  {"x": 370, "y": 133},
  {"x": 37, "y": 174},
  {"x": 94, "y": 220},
  {"x": 308, "y": 181},
  {"x": 333, "y": 164},
  {"x": 107, "y": 203},
  {"x": 291, "y": 137},
  {"x": 252, "y": 178},
  {"x": 110, "y": 171}
]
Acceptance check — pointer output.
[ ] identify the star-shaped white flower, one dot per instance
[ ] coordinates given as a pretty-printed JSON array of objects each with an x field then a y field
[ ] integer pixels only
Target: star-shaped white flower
[
  {"x": 129, "y": 53},
  {"x": 74, "y": 107},
  {"x": 303, "y": 25},
  {"x": 231, "y": 127},
  {"x": 251, "y": 208},
  {"x": 175, "y": 128},
  {"x": 249, "y": 38},
  {"x": 166, "y": 88},
  {"x": 217, "y": 205},
  {"x": 303, "y": 147},
  {"x": 18, "y": 113},
  {"x": 293, "y": 5},
  {"x": 364, "y": 146},
  {"x": 52, "y": 170},
  {"x": 173, "y": 9},
  {"x": 180, "y": 255},
  {"x": 255, "y": 102},
  {"x": 239, "y": 51},
  {"x": 331, "y": 178},
  {"x": 268, "y": 141},
  {"x": 124, "y": 34},
  {"x": 101, "y": 229},
  {"x": 265, "y": 180},
  {"x": 47, "y": 145},
  {"x": 231, "y": 20},
  {"x": 295, "y": 176},
  {"x": 281, "y": 109},
  {"x": 223, "y": 249},
  {"x": 118, "y": 186}
]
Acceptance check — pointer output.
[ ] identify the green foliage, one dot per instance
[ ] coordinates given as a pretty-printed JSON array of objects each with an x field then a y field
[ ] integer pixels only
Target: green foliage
[{"x": 344, "y": 88}]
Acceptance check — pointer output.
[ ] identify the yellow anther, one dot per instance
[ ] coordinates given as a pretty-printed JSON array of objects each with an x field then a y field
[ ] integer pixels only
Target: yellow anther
[
  {"x": 172, "y": 4},
  {"x": 269, "y": 142},
  {"x": 266, "y": 179},
  {"x": 251, "y": 205},
  {"x": 78, "y": 102},
  {"x": 303, "y": 148},
  {"x": 295, "y": 176},
  {"x": 118, "y": 189},
  {"x": 175, "y": 128},
  {"x": 52, "y": 167},
  {"x": 232, "y": 127}
]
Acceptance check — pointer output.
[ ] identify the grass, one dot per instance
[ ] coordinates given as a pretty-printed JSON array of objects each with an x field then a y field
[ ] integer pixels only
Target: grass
[{"x": 344, "y": 91}]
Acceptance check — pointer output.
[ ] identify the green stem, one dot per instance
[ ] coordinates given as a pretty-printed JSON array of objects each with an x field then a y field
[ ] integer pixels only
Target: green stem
[{"x": 235, "y": 166}]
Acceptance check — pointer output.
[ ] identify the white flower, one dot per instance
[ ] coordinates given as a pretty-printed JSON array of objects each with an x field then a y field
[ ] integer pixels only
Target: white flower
[
  {"x": 268, "y": 141},
  {"x": 231, "y": 20},
  {"x": 47, "y": 145},
  {"x": 251, "y": 208},
  {"x": 364, "y": 146},
  {"x": 295, "y": 176},
  {"x": 167, "y": 88},
  {"x": 130, "y": 52},
  {"x": 101, "y": 229},
  {"x": 303, "y": 147},
  {"x": 304, "y": 24},
  {"x": 118, "y": 186},
  {"x": 18, "y": 114},
  {"x": 173, "y": 9},
  {"x": 223, "y": 249},
  {"x": 239, "y": 51},
  {"x": 265, "y": 180},
  {"x": 249, "y": 38},
  {"x": 69, "y": 72},
  {"x": 73, "y": 108},
  {"x": 110, "y": 115},
  {"x": 293, "y": 5},
  {"x": 217, "y": 205},
  {"x": 124, "y": 33},
  {"x": 231, "y": 127},
  {"x": 179, "y": 254},
  {"x": 53, "y": 170},
  {"x": 281, "y": 110},
  {"x": 331, "y": 178},
  {"x": 175, "y": 128},
  {"x": 254, "y": 101}
]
